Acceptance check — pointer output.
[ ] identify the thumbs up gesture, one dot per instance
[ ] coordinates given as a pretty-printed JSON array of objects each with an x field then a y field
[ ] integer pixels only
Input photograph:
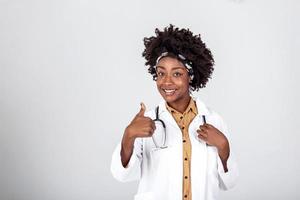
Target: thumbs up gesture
[
  {"x": 140, "y": 126},
  {"x": 142, "y": 110}
]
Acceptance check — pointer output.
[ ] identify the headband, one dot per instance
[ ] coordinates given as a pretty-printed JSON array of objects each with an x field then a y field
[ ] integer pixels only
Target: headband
[{"x": 184, "y": 61}]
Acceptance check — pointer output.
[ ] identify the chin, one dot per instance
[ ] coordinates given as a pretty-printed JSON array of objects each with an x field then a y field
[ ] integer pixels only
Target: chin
[{"x": 170, "y": 99}]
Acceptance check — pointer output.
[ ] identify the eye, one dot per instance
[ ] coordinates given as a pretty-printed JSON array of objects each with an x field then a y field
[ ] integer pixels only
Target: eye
[
  {"x": 177, "y": 74},
  {"x": 160, "y": 74}
]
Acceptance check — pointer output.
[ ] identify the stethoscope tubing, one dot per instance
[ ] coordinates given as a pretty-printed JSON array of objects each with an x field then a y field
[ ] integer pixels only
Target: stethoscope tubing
[{"x": 164, "y": 126}]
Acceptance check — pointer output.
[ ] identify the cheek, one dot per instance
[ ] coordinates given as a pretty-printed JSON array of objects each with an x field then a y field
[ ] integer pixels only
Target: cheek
[
  {"x": 183, "y": 83},
  {"x": 157, "y": 83}
]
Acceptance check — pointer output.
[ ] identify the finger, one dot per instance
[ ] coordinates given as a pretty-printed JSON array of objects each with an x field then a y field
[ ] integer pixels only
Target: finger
[
  {"x": 203, "y": 128},
  {"x": 153, "y": 125},
  {"x": 202, "y": 137},
  {"x": 142, "y": 110},
  {"x": 209, "y": 125},
  {"x": 204, "y": 134},
  {"x": 150, "y": 131}
]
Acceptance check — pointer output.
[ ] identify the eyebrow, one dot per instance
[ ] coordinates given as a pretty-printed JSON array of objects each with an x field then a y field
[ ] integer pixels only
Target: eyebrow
[{"x": 172, "y": 68}]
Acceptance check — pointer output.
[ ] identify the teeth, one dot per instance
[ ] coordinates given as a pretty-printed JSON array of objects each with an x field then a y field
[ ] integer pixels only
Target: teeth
[{"x": 169, "y": 91}]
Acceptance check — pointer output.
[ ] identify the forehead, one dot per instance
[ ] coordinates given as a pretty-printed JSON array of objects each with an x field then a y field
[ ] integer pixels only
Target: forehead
[{"x": 169, "y": 63}]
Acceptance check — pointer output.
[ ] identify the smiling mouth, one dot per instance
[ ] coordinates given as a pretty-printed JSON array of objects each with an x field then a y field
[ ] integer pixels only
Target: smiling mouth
[{"x": 169, "y": 92}]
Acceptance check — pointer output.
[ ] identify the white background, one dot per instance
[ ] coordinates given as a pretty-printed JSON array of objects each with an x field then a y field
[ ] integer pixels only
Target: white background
[{"x": 72, "y": 77}]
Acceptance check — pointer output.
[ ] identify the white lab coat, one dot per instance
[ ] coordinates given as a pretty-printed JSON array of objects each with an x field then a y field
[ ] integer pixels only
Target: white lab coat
[{"x": 160, "y": 172}]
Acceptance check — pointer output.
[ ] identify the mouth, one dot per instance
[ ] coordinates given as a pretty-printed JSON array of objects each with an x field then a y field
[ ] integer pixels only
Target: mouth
[{"x": 169, "y": 92}]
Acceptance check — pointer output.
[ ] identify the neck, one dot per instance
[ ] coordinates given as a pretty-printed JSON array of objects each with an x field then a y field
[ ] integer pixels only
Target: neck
[{"x": 181, "y": 105}]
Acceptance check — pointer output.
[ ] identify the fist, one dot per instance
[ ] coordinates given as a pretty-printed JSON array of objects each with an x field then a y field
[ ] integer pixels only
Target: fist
[
  {"x": 140, "y": 126},
  {"x": 212, "y": 136}
]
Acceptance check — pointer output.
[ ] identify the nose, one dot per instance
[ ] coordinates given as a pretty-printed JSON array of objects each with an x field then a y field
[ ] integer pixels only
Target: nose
[{"x": 168, "y": 79}]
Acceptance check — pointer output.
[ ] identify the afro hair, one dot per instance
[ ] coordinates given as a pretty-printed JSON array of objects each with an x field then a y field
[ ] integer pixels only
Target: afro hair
[{"x": 180, "y": 41}]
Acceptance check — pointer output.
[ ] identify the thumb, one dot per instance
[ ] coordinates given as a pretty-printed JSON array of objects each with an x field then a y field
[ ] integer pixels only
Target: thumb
[{"x": 142, "y": 110}]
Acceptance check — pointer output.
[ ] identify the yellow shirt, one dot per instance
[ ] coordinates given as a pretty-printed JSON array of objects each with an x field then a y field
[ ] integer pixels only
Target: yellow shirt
[{"x": 183, "y": 120}]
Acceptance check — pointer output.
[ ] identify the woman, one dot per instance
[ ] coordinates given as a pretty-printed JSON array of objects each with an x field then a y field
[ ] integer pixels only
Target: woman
[{"x": 186, "y": 153}]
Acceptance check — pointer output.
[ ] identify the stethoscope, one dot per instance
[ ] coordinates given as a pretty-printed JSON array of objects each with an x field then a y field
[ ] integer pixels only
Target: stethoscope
[{"x": 157, "y": 120}]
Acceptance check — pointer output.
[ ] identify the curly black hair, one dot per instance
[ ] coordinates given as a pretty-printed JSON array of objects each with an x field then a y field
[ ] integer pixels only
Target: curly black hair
[{"x": 180, "y": 41}]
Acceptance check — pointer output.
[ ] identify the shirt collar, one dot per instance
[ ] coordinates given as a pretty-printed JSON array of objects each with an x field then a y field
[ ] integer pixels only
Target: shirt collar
[
  {"x": 200, "y": 106},
  {"x": 191, "y": 107}
]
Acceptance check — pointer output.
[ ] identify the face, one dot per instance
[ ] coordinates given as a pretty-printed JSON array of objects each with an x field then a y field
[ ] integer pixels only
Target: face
[{"x": 172, "y": 81}]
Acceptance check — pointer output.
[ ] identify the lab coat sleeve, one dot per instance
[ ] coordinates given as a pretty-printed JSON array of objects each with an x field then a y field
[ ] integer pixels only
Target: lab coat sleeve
[
  {"x": 228, "y": 179},
  {"x": 133, "y": 169}
]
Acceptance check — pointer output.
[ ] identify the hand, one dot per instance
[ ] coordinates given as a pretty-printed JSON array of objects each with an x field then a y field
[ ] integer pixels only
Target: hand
[
  {"x": 212, "y": 136},
  {"x": 140, "y": 126}
]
